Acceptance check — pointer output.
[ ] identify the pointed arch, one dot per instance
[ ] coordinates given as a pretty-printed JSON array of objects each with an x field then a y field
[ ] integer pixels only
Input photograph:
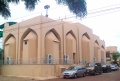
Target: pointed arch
[
  {"x": 86, "y": 34},
  {"x": 96, "y": 51},
  {"x": 27, "y": 32},
  {"x": 52, "y": 44},
  {"x": 96, "y": 42},
  {"x": 85, "y": 43},
  {"x": 71, "y": 32},
  {"x": 103, "y": 47},
  {"x": 29, "y": 43},
  {"x": 103, "y": 54},
  {"x": 10, "y": 47},
  {"x": 55, "y": 33},
  {"x": 9, "y": 35},
  {"x": 71, "y": 46}
]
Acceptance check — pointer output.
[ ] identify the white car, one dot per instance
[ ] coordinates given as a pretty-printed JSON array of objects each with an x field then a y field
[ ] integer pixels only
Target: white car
[
  {"x": 74, "y": 71},
  {"x": 114, "y": 67}
]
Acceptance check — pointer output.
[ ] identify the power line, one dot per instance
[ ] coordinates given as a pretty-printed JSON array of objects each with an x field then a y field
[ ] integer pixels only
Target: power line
[
  {"x": 105, "y": 7},
  {"x": 73, "y": 17},
  {"x": 104, "y": 13},
  {"x": 63, "y": 6},
  {"x": 105, "y": 10},
  {"x": 51, "y": 25},
  {"x": 36, "y": 13}
]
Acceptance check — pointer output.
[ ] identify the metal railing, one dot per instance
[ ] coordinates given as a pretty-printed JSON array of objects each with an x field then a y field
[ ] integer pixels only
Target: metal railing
[
  {"x": 35, "y": 61},
  {"x": 31, "y": 61}
]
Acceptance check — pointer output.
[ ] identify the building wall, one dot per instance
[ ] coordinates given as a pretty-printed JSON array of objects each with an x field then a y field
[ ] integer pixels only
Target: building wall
[
  {"x": 35, "y": 39},
  {"x": 111, "y": 49}
]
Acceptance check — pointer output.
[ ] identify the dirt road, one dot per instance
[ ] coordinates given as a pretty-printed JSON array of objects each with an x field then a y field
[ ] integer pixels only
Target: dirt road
[{"x": 112, "y": 76}]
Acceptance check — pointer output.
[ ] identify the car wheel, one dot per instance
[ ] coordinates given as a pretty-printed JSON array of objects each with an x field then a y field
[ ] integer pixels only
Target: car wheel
[
  {"x": 94, "y": 73},
  {"x": 64, "y": 77},
  {"x": 106, "y": 71},
  {"x": 110, "y": 70},
  {"x": 100, "y": 72},
  {"x": 84, "y": 74},
  {"x": 75, "y": 76}
]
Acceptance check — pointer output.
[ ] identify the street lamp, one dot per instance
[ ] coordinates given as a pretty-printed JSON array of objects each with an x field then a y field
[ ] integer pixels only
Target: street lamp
[{"x": 46, "y": 7}]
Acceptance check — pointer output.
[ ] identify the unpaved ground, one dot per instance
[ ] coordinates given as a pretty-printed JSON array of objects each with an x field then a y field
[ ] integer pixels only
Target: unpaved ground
[
  {"x": 8, "y": 78},
  {"x": 112, "y": 76}
]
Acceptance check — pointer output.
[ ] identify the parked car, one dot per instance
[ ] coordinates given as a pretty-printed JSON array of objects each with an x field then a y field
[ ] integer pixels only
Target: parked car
[
  {"x": 74, "y": 71},
  {"x": 114, "y": 67},
  {"x": 94, "y": 68},
  {"x": 106, "y": 68}
]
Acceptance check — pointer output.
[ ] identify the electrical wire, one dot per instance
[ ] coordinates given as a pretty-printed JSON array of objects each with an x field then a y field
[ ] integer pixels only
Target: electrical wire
[
  {"x": 86, "y": 17},
  {"x": 72, "y": 17},
  {"x": 51, "y": 25},
  {"x": 64, "y": 6}
]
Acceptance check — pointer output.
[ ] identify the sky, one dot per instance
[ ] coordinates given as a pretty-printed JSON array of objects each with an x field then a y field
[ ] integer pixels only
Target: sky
[{"x": 103, "y": 17}]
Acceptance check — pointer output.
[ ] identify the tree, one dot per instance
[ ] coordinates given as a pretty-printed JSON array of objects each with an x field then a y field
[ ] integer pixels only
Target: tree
[
  {"x": 115, "y": 56},
  {"x": 1, "y": 56},
  {"x": 78, "y": 7},
  {"x": 4, "y": 9},
  {"x": 1, "y": 53}
]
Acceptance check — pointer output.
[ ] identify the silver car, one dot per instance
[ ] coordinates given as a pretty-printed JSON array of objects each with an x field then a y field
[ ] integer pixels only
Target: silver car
[
  {"x": 114, "y": 67},
  {"x": 74, "y": 71}
]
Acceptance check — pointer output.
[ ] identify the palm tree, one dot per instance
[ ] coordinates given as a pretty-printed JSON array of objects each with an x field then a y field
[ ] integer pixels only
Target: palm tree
[
  {"x": 4, "y": 9},
  {"x": 46, "y": 7},
  {"x": 78, "y": 7}
]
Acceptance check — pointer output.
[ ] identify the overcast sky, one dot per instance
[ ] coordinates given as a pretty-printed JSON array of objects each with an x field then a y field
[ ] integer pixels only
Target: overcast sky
[{"x": 103, "y": 17}]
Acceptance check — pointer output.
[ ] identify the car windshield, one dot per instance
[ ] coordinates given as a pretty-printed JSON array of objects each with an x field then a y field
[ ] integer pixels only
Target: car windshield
[
  {"x": 104, "y": 65},
  {"x": 91, "y": 65},
  {"x": 72, "y": 68},
  {"x": 113, "y": 65}
]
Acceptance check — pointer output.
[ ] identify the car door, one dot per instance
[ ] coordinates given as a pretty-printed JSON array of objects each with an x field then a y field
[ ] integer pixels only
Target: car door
[
  {"x": 80, "y": 71},
  {"x": 98, "y": 67}
]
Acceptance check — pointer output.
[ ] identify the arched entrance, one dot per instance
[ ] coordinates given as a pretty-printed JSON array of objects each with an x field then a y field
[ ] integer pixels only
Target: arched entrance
[
  {"x": 71, "y": 47},
  {"x": 85, "y": 48},
  {"x": 29, "y": 43},
  {"x": 103, "y": 60},
  {"x": 96, "y": 51},
  {"x": 10, "y": 50},
  {"x": 52, "y": 47}
]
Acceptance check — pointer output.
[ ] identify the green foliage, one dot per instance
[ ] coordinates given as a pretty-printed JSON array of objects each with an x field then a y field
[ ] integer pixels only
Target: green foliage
[
  {"x": 4, "y": 9},
  {"x": 4, "y": 6},
  {"x": 30, "y": 4},
  {"x": 1, "y": 53},
  {"x": 78, "y": 7},
  {"x": 115, "y": 56},
  {"x": 13, "y": 1},
  {"x": 1, "y": 34}
]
